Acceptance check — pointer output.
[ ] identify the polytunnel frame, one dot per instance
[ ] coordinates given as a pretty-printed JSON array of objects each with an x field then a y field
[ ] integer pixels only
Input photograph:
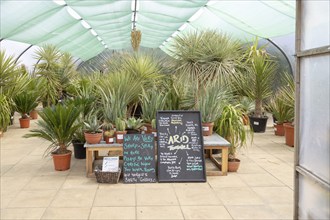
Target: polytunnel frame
[{"x": 300, "y": 54}]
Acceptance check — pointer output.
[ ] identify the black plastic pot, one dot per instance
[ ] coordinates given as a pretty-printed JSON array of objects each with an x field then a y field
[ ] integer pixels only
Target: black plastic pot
[
  {"x": 258, "y": 125},
  {"x": 132, "y": 131},
  {"x": 79, "y": 150}
]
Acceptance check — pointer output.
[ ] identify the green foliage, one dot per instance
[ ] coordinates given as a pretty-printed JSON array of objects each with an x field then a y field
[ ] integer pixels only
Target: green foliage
[
  {"x": 25, "y": 102},
  {"x": 91, "y": 124},
  {"x": 109, "y": 133},
  {"x": 209, "y": 55},
  {"x": 246, "y": 105},
  {"x": 133, "y": 123},
  {"x": 151, "y": 102},
  {"x": 4, "y": 112},
  {"x": 120, "y": 124},
  {"x": 57, "y": 127},
  {"x": 211, "y": 99},
  {"x": 231, "y": 127},
  {"x": 287, "y": 93},
  {"x": 280, "y": 110}
]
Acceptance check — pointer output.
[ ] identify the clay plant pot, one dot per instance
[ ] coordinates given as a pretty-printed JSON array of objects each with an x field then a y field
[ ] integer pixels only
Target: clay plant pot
[
  {"x": 289, "y": 134},
  {"x": 258, "y": 125},
  {"x": 109, "y": 139},
  {"x": 34, "y": 114},
  {"x": 120, "y": 136},
  {"x": 62, "y": 161},
  {"x": 147, "y": 128},
  {"x": 24, "y": 122},
  {"x": 279, "y": 129},
  {"x": 79, "y": 150},
  {"x": 93, "y": 138},
  {"x": 207, "y": 128},
  {"x": 233, "y": 165}
]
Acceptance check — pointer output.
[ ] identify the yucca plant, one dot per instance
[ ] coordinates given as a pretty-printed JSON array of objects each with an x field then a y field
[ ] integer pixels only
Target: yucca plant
[
  {"x": 134, "y": 123},
  {"x": 208, "y": 55},
  {"x": 287, "y": 92},
  {"x": 57, "y": 126},
  {"x": 120, "y": 124},
  {"x": 91, "y": 124},
  {"x": 230, "y": 126},
  {"x": 280, "y": 109},
  {"x": 4, "y": 113}
]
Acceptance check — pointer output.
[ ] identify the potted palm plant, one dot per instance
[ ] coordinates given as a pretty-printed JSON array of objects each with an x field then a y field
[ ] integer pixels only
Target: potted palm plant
[
  {"x": 24, "y": 104},
  {"x": 231, "y": 127},
  {"x": 58, "y": 127},
  {"x": 92, "y": 133},
  {"x": 256, "y": 83},
  {"x": 120, "y": 130}
]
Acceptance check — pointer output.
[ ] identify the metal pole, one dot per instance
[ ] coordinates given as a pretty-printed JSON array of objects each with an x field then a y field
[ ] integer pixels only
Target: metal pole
[{"x": 23, "y": 53}]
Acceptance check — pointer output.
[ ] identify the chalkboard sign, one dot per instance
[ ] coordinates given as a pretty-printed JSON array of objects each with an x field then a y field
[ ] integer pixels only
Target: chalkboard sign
[
  {"x": 139, "y": 158},
  {"x": 180, "y": 147}
]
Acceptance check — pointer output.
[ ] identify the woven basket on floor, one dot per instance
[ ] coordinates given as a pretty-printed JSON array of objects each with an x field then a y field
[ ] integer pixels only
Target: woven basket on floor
[{"x": 106, "y": 177}]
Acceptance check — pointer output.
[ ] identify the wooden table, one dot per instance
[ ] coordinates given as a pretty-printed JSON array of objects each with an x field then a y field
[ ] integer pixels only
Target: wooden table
[{"x": 214, "y": 142}]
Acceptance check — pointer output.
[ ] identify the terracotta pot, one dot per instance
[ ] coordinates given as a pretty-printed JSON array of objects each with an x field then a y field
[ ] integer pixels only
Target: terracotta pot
[
  {"x": 207, "y": 128},
  {"x": 34, "y": 114},
  {"x": 120, "y": 136},
  {"x": 108, "y": 139},
  {"x": 289, "y": 134},
  {"x": 233, "y": 165},
  {"x": 93, "y": 138},
  {"x": 147, "y": 128},
  {"x": 24, "y": 122},
  {"x": 279, "y": 129},
  {"x": 62, "y": 161},
  {"x": 245, "y": 119}
]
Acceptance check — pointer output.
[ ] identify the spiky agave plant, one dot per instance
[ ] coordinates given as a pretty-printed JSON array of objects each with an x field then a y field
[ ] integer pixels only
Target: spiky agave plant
[{"x": 58, "y": 127}]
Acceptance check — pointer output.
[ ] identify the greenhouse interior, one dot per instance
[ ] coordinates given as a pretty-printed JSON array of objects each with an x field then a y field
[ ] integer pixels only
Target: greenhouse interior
[{"x": 165, "y": 109}]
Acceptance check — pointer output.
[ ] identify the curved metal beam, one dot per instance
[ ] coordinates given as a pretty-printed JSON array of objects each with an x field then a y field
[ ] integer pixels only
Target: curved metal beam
[
  {"x": 282, "y": 51},
  {"x": 23, "y": 52}
]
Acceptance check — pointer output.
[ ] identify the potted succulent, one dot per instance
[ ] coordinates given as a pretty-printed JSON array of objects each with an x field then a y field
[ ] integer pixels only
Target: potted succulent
[
  {"x": 231, "y": 127},
  {"x": 108, "y": 132},
  {"x": 256, "y": 83},
  {"x": 92, "y": 133},
  {"x": 133, "y": 125},
  {"x": 24, "y": 104},
  {"x": 210, "y": 103},
  {"x": 120, "y": 130},
  {"x": 58, "y": 127}
]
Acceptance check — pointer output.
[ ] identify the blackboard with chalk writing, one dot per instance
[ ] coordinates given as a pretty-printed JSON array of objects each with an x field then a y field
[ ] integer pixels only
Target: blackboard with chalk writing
[
  {"x": 180, "y": 147},
  {"x": 139, "y": 158}
]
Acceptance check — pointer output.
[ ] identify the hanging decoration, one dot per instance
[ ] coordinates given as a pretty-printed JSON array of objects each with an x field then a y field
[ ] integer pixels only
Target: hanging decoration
[{"x": 136, "y": 39}]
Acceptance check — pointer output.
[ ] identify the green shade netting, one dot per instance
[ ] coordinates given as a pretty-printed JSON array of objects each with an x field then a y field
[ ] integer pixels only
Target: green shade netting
[{"x": 40, "y": 22}]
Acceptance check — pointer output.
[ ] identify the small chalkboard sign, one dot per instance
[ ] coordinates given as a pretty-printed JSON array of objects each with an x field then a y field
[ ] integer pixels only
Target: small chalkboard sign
[
  {"x": 139, "y": 158},
  {"x": 180, "y": 147}
]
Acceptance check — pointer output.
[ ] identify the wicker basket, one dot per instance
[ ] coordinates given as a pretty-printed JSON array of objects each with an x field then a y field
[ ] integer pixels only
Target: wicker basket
[{"x": 106, "y": 177}]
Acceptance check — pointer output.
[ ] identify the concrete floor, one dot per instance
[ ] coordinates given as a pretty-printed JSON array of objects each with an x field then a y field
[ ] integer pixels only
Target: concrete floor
[{"x": 31, "y": 189}]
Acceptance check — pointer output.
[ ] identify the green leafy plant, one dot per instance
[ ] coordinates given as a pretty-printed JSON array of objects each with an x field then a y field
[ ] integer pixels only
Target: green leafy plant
[
  {"x": 153, "y": 124},
  {"x": 231, "y": 127},
  {"x": 151, "y": 102},
  {"x": 92, "y": 124},
  {"x": 120, "y": 124},
  {"x": 109, "y": 133},
  {"x": 133, "y": 123},
  {"x": 4, "y": 113},
  {"x": 280, "y": 110},
  {"x": 246, "y": 105},
  {"x": 287, "y": 92},
  {"x": 57, "y": 127},
  {"x": 25, "y": 102}
]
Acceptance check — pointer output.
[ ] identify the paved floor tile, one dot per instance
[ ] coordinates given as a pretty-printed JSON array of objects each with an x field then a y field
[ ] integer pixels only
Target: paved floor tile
[
  {"x": 66, "y": 213},
  {"x": 79, "y": 182},
  {"x": 32, "y": 199},
  {"x": 205, "y": 212},
  {"x": 148, "y": 197},
  {"x": 74, "y": 198},
  {"x": 160, "y": 212},
  {"x": 45, "y": 182},
  {"x": 238, "y": 196},
  {"x": 260, "y": 180},
  {"x": 231, "y": 180},
  {"x": 115, "y": 197},
  {"x": 252, "y": 212},
  {"x": 22, "y": 213},
  {"x": 193, "y": 196},
  {"x": 113, "y": 213},
  {"x": 275, "y": 195}
]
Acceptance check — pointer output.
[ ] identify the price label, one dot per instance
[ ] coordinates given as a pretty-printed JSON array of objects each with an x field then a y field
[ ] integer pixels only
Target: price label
[
  {"x": 120, "y": 136},
  {"x": 206, "y": 128},
  {"x": 256, "y": 123},
  {"x": 110, "y": 164}
]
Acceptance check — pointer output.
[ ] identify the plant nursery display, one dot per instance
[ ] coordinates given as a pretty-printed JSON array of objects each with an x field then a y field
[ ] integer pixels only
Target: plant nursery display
[
  {"x": 120, "y": 130},
  {"x": 58, "y": 127},
  {"x": 92, "y": 129},
  {"x": 24, "y": 103}
]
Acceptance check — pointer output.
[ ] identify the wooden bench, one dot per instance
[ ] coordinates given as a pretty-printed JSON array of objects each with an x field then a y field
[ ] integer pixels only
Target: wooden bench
[{"x": 214, "y": 142}]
